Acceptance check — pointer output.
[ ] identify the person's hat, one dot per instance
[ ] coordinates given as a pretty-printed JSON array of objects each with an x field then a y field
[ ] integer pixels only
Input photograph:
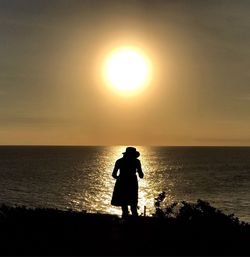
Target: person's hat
[{"x": 132, "y": 152}]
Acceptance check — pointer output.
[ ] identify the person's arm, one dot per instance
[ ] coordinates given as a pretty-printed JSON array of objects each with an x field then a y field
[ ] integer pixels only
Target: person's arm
[
  {"x": 139, "y": 170},
  {"x": 115, "y": 170}
]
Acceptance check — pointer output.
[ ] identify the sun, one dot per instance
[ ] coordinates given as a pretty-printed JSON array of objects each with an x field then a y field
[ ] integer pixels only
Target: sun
[{"x": 127, "y": 70}]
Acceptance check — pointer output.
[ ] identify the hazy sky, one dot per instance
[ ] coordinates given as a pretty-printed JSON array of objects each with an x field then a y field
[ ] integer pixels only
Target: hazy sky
[{"x": 51, "y": 90}]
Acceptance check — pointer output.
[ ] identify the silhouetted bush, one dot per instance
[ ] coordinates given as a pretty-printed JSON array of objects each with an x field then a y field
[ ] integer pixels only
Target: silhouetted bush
[{"x": 200, "y": 211}]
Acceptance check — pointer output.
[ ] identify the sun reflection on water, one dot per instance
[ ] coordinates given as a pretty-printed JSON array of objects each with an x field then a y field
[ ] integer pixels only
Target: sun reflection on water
[{"x": 92, "y": 186}]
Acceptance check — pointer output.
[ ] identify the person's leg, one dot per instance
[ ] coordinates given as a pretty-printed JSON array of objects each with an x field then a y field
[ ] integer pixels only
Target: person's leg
[
  {"x": 134, "y": 210},
  {"x": 124, "y": 211}
]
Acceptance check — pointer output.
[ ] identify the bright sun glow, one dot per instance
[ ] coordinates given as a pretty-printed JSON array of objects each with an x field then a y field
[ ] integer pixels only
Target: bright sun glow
[{"x": 127, "y": 70}]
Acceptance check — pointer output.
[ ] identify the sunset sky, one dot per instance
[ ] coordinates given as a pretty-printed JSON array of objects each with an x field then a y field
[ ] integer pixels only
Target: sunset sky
[{"x": 51, "y": 58}]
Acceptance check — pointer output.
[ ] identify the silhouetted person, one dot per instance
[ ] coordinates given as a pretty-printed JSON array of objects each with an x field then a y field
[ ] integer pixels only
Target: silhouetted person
[{"x": 126, "y": 187}]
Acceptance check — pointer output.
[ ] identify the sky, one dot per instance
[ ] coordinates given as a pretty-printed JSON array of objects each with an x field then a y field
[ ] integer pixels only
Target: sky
[{"x": 52, "y": 91}]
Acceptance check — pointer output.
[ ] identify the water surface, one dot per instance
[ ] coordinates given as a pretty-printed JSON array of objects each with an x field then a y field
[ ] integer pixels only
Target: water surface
[{"x": 80, "y": 178}]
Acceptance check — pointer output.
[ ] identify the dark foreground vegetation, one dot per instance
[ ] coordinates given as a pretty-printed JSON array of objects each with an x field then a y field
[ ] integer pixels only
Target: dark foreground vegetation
[{"x": 195, "y": 229}]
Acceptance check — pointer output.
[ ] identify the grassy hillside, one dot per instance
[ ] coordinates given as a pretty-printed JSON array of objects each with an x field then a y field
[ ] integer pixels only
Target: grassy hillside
[{"x": 196, "y": 229}]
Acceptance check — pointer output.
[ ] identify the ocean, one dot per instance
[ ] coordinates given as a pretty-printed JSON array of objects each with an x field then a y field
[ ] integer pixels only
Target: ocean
[{"x": 79, "y": 177}]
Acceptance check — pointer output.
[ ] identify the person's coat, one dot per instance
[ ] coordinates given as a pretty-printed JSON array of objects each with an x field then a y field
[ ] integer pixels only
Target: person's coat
[{"x": 126, "y": 186}]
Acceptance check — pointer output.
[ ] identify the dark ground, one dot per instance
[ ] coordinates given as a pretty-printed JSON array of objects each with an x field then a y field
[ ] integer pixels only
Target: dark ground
[{"x": 54, "y": 232}]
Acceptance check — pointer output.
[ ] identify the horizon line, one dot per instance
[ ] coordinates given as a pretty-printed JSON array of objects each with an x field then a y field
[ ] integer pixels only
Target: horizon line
[{"x": 87, "y": 145}]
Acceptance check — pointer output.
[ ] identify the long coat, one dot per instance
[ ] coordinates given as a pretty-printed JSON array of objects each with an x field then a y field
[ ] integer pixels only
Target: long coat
[{"x": 126, "y": 186}]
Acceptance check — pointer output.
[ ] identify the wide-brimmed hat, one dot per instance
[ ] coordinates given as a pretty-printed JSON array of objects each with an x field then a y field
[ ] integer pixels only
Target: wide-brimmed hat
[{"x": 131, "y": 151}]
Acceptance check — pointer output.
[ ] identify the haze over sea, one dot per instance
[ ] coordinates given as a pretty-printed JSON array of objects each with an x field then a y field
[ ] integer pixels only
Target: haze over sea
[{"x": 79, "y": 177}]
